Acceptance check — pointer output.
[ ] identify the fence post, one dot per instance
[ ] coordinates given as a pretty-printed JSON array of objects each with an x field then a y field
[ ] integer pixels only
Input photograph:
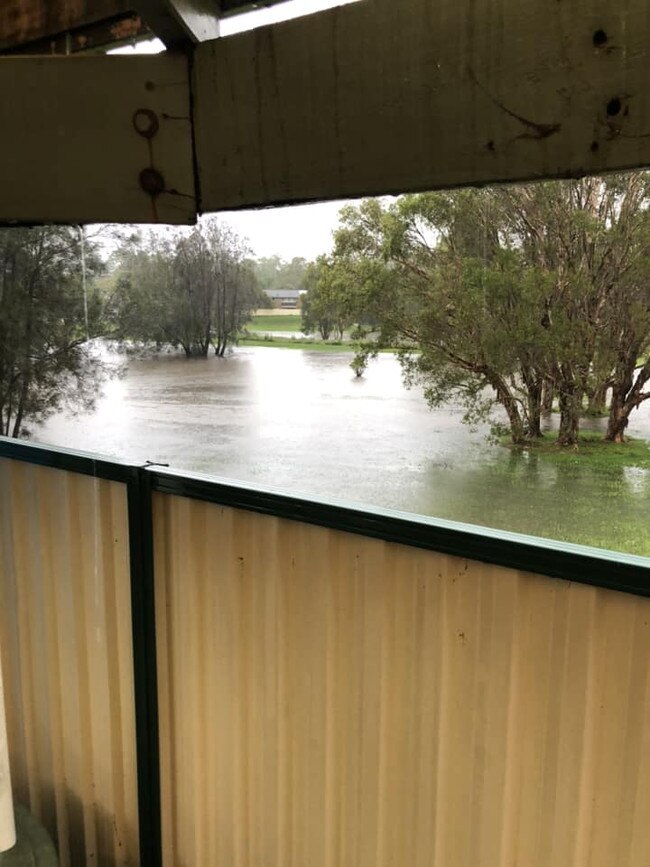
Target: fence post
[{"x": 143, "y": 615}]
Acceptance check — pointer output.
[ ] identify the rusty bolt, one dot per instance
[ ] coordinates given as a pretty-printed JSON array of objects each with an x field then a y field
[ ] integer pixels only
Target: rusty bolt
[
  {"x": 145, "y": 122},
  {"x": 152, "y": 182}
]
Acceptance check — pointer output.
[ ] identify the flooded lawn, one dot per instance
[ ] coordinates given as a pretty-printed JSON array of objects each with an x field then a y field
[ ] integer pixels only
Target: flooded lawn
[{"x": 300, "y": 420}]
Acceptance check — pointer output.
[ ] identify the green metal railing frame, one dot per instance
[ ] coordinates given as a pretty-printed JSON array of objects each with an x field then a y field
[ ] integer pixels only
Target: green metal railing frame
[{"x": 609, "y": 569}]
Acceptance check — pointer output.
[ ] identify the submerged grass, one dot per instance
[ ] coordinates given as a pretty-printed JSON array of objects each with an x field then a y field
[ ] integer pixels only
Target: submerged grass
[
  {"x": 591, "y": 451},
  {"x": 595, "y": 493}
]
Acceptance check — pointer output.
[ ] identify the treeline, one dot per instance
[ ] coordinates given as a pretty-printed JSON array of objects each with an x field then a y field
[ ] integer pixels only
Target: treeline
[
  {"x": 524, "y": 297},
  {"x": 273, "y": 272}
]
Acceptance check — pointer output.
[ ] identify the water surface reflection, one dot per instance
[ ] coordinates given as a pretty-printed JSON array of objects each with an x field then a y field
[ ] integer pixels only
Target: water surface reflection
[{"x": 300, "y": 420}]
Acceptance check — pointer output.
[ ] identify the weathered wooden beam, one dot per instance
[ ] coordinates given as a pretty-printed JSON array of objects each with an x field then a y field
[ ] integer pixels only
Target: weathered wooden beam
[
  {"x": 35, "y": 21},
  {"x": 88, "y": 139},
  {"x": 381, "y": 97},
  {"x": 181, "y": 22}
]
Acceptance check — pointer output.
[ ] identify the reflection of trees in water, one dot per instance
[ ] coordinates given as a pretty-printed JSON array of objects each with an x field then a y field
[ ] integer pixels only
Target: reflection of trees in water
[{"x": 524, "y": 493}]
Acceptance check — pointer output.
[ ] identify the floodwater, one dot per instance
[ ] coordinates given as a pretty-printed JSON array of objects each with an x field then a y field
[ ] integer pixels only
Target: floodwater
[{"x": 300, "y": 420}]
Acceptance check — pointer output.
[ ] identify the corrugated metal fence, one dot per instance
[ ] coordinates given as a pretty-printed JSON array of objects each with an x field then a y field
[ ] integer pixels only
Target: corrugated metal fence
[
  {"x": 335, "y": 688},
  {"x": 66, "y": 644}
]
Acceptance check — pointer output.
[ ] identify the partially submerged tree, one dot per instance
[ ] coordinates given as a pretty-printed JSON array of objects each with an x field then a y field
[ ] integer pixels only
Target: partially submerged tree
[
  {"x": 46, "y": 361},
  {"x": 591, "y": 236},
  {"x": 192, "y": 290},
  {"x": 510, "y": 295},
  {"x": 466, "y": 326}
]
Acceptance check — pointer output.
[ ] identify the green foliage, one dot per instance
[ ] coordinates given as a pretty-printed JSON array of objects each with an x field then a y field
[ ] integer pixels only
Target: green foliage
[
  {"x": 511, "y": 296},
  {"x": 190, "y": 290},
  {"x": 272, "y": 272},
  {"x": 46, "y": 358},
  {"x": 329, "y": 307}
]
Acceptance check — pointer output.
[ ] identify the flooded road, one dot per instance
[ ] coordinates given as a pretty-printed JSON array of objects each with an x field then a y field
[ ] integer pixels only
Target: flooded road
[{"x": 300, "y": 420}]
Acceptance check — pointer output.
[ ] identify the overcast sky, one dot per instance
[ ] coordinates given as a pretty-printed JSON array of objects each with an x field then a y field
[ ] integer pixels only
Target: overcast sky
[
  {"x": 297, "y": 230},
  {"x": 300, "y": 230}
]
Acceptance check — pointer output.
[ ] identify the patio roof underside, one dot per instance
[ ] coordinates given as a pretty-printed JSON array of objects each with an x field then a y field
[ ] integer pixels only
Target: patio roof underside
[
  {"x": 71, "y": 26},
  {"x": 369, "y": 98}
]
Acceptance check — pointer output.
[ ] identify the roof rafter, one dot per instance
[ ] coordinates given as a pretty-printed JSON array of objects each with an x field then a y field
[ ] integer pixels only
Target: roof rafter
[{"x": 181, "y": 22}]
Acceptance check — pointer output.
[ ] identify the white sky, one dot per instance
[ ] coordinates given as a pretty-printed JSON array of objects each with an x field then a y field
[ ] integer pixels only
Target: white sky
[{"x": 299, "y": 230}]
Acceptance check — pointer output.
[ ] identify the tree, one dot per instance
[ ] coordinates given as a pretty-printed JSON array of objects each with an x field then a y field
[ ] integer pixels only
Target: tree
[
  {"x": 591, "y": 235},
  {"x": 463, "y": 313},
  {"x": 267, "y": 271},
  {"x": 190, "y": 290},
  {"x": 329, "y": 305},
  {"x": 46, "y": 359},
  {"x": 273, "y": 273},
  {"x": 526, "y": 292}
]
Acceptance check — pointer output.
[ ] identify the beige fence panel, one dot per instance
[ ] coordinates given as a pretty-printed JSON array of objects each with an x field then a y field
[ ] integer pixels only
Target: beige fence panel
[
  {"x": 329, "y": 700},
  {"x": 65, "y": 633}
]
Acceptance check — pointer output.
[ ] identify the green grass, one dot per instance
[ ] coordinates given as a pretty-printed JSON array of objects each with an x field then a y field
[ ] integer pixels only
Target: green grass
[
  {"x": 296, "y": 343},
  {"x": 592, "y": 451},
  {"x": 594, "y": 494},
  {"x": 275, "y": 323}
]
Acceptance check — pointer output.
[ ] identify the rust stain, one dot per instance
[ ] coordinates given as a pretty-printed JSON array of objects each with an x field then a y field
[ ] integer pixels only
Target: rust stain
[
  {"x": 145, "y": 122},
  {"x": 152, "y": 182}
]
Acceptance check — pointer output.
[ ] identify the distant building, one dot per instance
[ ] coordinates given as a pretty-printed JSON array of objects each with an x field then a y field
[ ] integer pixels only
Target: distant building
[{"x": 286, "y": 298}]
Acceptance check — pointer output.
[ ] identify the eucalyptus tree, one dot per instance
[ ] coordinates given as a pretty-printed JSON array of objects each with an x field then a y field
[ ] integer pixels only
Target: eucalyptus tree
[
  {"x": 591, "y": 236},
  {"x": 459, "y": 306},
  {"x": 511, "y": 296},
  {"x": 329, "y": 305},
  {"x": 192, "y": 290},
  {"x": 47, "y": 324}
]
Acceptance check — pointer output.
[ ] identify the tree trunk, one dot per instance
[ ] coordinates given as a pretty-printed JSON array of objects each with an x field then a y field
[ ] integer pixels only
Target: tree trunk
[
  {"x": 547, "y": 398},
  {"x": 534, "y": 384},
  {"x": 507, "y": 401},
  {"x": 627, "y": 394},
  {"x": 535, "y": 411},
  {"x": 619, "y": 416},
  {"x": 517, "y": 430},
  {"x": 570, "y": 406}
]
